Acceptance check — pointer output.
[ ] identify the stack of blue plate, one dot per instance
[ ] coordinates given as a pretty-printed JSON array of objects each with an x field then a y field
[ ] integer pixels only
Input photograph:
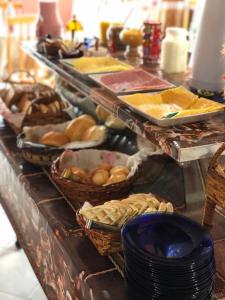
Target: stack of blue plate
[{"x": 167, "y": 256}]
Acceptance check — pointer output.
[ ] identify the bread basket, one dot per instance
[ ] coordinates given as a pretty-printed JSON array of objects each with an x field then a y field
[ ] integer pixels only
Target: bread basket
[
  {"x": 215, "y": 187},
  {"x": 77, "y": 193},
  {"x": 106, "y": 239},
  {"x": 43, "y": 155},
  {"x": 39, "y": 95}
]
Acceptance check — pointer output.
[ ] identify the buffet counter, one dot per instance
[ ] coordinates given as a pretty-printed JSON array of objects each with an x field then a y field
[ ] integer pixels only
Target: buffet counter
[
  {"x": 64, "y": 260},
  {"x": 183, "y": 143},
  {"x": 66, "y": 263}
]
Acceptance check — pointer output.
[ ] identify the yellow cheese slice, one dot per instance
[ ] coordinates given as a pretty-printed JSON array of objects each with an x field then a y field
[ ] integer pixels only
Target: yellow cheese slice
[
  {"x": 97, "y": 64},
  {"x": 177, "y": 100}
]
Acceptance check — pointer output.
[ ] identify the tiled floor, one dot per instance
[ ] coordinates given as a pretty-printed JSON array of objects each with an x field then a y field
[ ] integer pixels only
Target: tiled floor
[{"x": 17, "y": 279}]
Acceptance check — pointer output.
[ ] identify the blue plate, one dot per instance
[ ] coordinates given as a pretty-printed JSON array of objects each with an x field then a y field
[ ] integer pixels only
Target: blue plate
[{"x": 167, "y": 237}]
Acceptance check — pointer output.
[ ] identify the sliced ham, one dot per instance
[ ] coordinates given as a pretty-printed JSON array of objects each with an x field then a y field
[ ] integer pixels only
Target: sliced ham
[{"x": 134, "y": 80}]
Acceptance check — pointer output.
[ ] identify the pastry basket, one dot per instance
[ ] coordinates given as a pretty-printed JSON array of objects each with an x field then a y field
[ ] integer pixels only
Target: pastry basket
[{"x": 106, "y": 241}]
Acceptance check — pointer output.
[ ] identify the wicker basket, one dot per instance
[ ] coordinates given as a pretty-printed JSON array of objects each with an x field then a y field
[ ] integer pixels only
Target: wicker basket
[
  {"x": 215, "y": 187},
  {"x": 39, "y": 118},
  {"x": 41, "y": 156},
  {"x": 41, "y": 94},
  {"x": 105, "y": 242},
  {"x": 78, "y": 193}
]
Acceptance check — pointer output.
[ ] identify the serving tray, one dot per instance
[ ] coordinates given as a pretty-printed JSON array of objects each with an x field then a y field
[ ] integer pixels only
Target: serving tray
[
  {"x": 68, "y": 63},
  {"x": 128, "y": 90},
  {"x": 168, "y": 122}
]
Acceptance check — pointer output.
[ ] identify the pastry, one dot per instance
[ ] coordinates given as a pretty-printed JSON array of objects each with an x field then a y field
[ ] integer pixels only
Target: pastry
[
  {"x": 100, "y": 177},
  {"x": 120, "y": 170},
  {"x": 114, "y": 123},
  {"x": 162, "y": 207},
  {"x": 26, "y": 105},
  {"x": 53, "y": 138},
  {"x": 101, "y": 113},
  {"x": 116, "y": 212},
  {"x": 78, "y": 126},
  {"x": 93, "y": 133},
  {"x": 169, "y": 207},
  {"x": 115, "y": 178},
  {"x": 43, "y": 108}
]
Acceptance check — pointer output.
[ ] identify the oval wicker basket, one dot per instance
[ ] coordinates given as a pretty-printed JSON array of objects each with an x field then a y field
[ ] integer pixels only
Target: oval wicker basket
[
  {"x": 78, "y": 193},
  {"x": 40, "y": 155},
  {"x": 105, "y": 242},
  {"x": 215, "y": 187}
]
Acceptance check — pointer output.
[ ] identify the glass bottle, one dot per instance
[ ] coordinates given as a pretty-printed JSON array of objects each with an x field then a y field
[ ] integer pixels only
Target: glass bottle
[{"x": 175, "y": 46}]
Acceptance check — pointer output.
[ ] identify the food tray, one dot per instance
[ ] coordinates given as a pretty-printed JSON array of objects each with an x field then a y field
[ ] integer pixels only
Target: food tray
[
  {"x": 67, "y": 63},
  {"x": 97, "y": 78},
  {"x": 168, "y": 122}
]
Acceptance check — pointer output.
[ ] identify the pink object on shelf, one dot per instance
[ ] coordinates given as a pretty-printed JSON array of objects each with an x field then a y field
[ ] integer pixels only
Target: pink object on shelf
[{"x": 49, "y": 21}]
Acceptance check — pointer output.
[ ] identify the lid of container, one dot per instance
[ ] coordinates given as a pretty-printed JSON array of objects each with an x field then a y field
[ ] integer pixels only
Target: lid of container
[
  {"x": 176, "y": 31},
  {"x": 152, "y": 22}
]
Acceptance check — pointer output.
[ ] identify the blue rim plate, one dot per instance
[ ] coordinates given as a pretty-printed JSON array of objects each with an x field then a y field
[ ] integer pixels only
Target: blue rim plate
[{"x": 169, "y": 238}]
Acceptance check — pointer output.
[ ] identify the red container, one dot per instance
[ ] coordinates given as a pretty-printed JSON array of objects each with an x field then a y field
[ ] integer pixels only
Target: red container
[{"x": 152, "y": 36}]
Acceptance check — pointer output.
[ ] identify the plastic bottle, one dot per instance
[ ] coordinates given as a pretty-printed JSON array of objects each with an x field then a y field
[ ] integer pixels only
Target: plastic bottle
[{"x": 174, "y": 55}]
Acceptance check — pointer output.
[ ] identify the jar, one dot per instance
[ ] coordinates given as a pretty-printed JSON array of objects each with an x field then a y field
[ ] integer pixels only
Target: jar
[
  {"x": 113, "y": 38},
  {"x": 151, "y": 41},
  {"x": 175, "y": 46},
  {"x": 132, "y": 38},
  {"x": 172, "y": 13},
  {"x": 103, "y": 32},
  {"x": 49, "y": 21}
]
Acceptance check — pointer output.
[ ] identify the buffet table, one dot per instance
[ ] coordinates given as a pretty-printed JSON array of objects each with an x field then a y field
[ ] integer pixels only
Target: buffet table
[{"x": 64, "y": 260}]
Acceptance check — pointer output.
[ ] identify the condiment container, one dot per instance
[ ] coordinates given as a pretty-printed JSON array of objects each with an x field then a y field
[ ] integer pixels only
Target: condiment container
[
  {"x": 174, "y": 55},
  {"x": 151, "y": 41},
  {"x": 113, "y": 38},
  {"x": 104, "y": 25}
]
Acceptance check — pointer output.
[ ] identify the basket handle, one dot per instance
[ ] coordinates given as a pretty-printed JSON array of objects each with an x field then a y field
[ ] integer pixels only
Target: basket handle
[
  {"x": 8, "y": 79},
  {"x": 214, "y": 160}
]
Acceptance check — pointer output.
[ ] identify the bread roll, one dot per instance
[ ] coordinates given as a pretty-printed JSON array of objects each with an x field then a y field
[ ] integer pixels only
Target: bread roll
[
  {"x": 94, "y": 133},
  {"x": 53, "y": 138},
  {"x": 78, "y": 126},
  {"x": 78, "y": 175},
  {"x": 100, "y": 177},
  {"x": 114, "y": 178},
  {"x": 120, "y": 170},
  {"x": 105, "y": 166},
  {"x": 101, "y": 113}
]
